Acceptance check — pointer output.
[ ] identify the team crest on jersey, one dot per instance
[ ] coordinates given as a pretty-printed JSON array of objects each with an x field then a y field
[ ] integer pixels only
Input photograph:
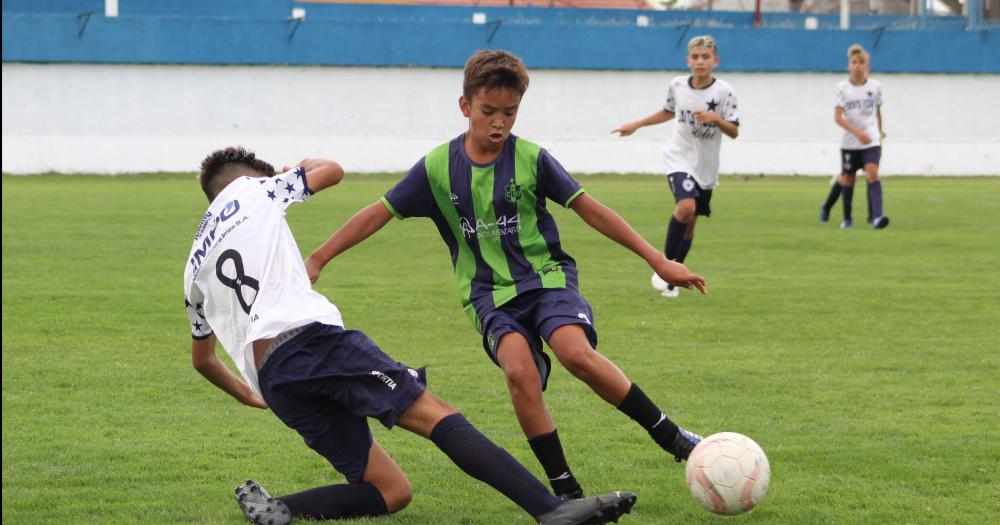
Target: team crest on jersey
[
  {"x": 513, "y": 192},
  {"x": 454, "y": 199}
]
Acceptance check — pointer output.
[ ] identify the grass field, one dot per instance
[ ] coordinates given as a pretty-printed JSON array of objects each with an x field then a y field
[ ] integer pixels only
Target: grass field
[{"x": 866, "y": 363}]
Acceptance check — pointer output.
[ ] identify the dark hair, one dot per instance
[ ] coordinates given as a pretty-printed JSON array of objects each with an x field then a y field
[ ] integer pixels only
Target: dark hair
[
  {"x": 494, "y": 69},
  {"x": 225, "y": 165}
]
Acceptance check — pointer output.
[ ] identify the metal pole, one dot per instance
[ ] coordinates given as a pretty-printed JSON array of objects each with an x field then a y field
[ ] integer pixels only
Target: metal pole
[
  {"x": 974, "y": 17},
  {"x": 845, "y": 14}
]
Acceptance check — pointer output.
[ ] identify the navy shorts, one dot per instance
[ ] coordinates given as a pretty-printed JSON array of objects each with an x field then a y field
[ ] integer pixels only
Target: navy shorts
[
  {"x": 855, "y": 159},
  {"x": 683, "y": 186},
  {"x": 326, "y": 381},
  {"x": 535, "y": 315}
]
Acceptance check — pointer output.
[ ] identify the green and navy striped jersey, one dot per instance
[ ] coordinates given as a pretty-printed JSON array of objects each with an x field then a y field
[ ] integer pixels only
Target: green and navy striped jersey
[{"x": 503, "y": 241}]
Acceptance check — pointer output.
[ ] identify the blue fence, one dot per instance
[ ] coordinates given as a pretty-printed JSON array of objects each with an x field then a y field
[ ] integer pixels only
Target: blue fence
[{"x": 261, "y": 32}]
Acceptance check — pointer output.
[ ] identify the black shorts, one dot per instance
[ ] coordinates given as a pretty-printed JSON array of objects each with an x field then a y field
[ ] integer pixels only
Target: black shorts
[
  {"x": 855, "y": 159},
  {"x": 535, "y": 315},
  {"x": 683, "y": 186},
  {"x": 326, "y": 381}
]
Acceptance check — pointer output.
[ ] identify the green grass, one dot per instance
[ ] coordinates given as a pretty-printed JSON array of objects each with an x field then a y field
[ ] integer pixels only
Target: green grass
[{"x": 864, "y": 362}]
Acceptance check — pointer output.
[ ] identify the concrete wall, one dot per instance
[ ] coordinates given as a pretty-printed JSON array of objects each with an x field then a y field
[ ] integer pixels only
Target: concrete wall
[{"x": 128, "y": 118}]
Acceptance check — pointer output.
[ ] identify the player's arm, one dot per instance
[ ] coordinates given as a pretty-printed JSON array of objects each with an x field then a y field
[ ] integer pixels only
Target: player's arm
[
  {"x": 321, "y": 173},
  {"x": 614, "y": 227},
  {"x": 208, "y": 364},
  {"x": 731, "y": 129},
  {"x": 661, "y": 116},
  {"x": 878, "y": 113},
  {"x": 358, "y": 228},
  {"x": 838, "y": 117}
]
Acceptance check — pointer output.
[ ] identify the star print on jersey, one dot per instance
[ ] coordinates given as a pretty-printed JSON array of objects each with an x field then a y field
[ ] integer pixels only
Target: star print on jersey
[
  {"x": 286, "y": 188},
  {"x": 271, "y": 195},
  {"x": 712, "y": 104},
  {"x": 196, "y": 316}
]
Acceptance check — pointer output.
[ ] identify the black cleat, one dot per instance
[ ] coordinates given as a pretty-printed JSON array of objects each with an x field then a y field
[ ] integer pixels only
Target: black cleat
[
  {"x": 683, "y": 443},
  {"x": 259, "y": 507},
  {"x": 576, "y": 493},
  {"x": 597, "y": 510}
]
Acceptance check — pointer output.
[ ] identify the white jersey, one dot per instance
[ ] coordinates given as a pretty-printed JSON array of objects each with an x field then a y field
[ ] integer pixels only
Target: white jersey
[
  {"x": 245, "y": 279},
  {"x": 694, "y": 148},
  {"x": 860, "y": 105}
]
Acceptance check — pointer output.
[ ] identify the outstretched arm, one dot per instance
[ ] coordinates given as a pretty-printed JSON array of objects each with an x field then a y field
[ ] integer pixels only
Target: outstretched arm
[
  {"x": 659, "y": 117},
  {"x": 358, "y": 228},
  {"x": 320, "y": 173},
  {"x": 606, "y": 221},
  {"x": 208, "y": 364}
]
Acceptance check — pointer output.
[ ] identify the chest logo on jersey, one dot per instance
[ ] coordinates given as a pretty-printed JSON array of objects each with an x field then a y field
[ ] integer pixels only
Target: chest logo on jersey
[
  {"x": 481, "y": 229},
  {"x": 228, "y": 211},
  {"x": 512, "y": 192}
]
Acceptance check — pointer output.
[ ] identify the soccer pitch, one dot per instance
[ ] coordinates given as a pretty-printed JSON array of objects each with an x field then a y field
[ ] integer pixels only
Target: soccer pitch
[{"x": 864, "y": 362}]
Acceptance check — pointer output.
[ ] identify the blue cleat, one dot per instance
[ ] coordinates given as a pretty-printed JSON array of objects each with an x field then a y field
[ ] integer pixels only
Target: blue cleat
[
  {"x": 824, "y": 214},
  {"x": 848, "y": 223},
  {"x": 684, "y": 442},
  {"x": 880, "y": 222}
]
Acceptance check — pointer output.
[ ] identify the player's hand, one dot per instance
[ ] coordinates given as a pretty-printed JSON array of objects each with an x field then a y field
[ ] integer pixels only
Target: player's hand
[
  {"x": 625, "y": 129},
  {"x": 881, "y": 134},
  {"x": 255, "y": 401},
  {"x": 678, "y": 275},
  {"x": 312, "y": 269},
  {"x": 864, "y": 138},
  {"x": 704, "y": 117}
]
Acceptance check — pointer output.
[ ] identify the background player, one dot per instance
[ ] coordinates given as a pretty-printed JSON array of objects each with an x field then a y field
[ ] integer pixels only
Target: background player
[
  {"x": 245, "y": 285},
  {"x": 859, "y": 111},
  {"x": 703, "y": 106},
  {"x": 485, "y": 190}
]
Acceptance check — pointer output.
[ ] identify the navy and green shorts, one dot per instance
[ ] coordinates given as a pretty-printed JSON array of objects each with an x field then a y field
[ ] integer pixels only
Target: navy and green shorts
[
  {"x": 535, "y": 315},
  {"x": 326, "y": 381}
]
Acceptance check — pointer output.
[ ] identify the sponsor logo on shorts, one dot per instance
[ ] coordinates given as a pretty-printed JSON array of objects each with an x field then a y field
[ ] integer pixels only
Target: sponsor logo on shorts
[
  {"x": 688, "y": 185},
  {"x": 491, "y": 340},
  {"x": 583, "y": 316},
  {"x": 385, "y": 379}
]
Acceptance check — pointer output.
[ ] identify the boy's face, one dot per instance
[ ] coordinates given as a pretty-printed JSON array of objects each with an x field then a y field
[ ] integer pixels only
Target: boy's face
[
  {"x": 701, "y": 60},
  {"x": 857, "y": 66},
  {"x": 491, "y": 115}
]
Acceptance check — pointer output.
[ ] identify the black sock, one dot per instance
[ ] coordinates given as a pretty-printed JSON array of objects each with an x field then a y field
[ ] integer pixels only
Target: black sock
[
  {"x": 675, "y": 235},
  {"x": 549, "y": 452},
  {"x": 332, "y": 502},
  {"x": 831, "y": 199},
  {"x": 875, "y": 199},
  {"x": 685, "y": 248},
  {"x": 848, "y": 201},
  {"x": 639, "y": 407},
  {"x": 480, "y": 458}
]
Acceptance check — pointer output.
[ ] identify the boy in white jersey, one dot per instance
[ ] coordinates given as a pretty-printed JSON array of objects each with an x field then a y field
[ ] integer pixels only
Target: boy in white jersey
[
  {"x": 704, "y": 106},
  {"x": 245, "y": 285},
  {"x": 859, "y": 111}
]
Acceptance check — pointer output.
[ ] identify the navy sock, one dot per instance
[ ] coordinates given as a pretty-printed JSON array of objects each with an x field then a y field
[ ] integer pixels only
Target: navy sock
[
  {"x": 875, "y": 198},
  {"x": 831, "y": 199},
  {"x": 848, "y": 201},
  {"x": 480, "y": 458},
  {"x": 675, "y": 236},
  {"x": 640, "y": 408},
  {"x": 548, "y": 449},
  {"x": 332, "y": 502},
  {"x": 685, "y": 248}
]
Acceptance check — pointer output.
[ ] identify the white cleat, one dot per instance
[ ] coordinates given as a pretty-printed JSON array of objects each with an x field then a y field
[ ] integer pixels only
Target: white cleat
[
  {"x": 671, "y": 292},
  {"x": 658, "y": 284}
]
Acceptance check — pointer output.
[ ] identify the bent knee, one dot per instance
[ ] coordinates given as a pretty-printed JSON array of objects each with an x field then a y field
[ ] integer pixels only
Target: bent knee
[
  {"x": 578, "y": 360},
  {"x": 685, "y": 210},
  {"x": 397, "y": 496}
]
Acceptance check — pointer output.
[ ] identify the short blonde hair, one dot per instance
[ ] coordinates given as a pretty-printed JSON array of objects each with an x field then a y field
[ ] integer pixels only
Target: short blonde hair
[
  {"x": 703, "y": 41},
  {"x": 857, "y": 50}
]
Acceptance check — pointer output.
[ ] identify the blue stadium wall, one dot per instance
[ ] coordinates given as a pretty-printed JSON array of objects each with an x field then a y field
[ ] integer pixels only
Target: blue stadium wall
[{"x": 261, "y": 32}]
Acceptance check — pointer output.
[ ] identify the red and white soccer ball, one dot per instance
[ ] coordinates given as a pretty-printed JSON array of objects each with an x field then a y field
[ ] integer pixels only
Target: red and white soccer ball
[{"x": 728, "y": 473}]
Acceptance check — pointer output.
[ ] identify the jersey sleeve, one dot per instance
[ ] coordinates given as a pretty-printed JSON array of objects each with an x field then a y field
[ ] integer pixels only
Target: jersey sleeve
[
  {"x": 194, "y": 305},
  {"x": 671, "y": 103},
  {"x": 878, "y": 95},
  {"x": 555, "y": 182},
  {"x": 411, "y": 196},
  {"x": 731, "y": 112},
  {"x": 840, "y": 99},
  {"x": 287, "y": 188}
]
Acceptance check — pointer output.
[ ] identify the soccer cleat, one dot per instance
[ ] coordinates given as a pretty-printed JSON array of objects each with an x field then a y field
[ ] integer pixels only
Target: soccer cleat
[
  {"x": 880, "y": 222},
  {"x": 657, "y": 283},
  {"x": 259, "y": 507},
  {"x": 671, "y": 292},
  {"x": 683, "y": 443},
  {"x": 824, "y": 214},
  {"x": 597, "y": 510},
  {"x": 576, "y": 493},
  {"x": 848, "y": 223}
]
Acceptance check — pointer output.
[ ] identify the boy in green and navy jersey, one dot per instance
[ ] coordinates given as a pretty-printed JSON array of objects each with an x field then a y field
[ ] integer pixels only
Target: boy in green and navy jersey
[{"x": 486, "y": 192}]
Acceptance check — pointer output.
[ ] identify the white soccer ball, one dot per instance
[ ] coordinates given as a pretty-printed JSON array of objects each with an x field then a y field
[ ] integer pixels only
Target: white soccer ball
[
  {"x": 728, "y": 473},
  {"x": 658, "y": 284}
]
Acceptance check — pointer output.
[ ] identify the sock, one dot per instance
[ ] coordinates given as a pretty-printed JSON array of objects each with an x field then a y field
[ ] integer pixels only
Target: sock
[
  {"x": 332, "y": 502},
  {"x": 831, "y": 199},
  {"x": 639, "y": 407},
  {"x": 480, "y": 458},
  {"x": 848, "y": 201},
  {"x": 675, "y": 235},
  {"x": 549, "y": 452},
  {"x": 875, "y": 198},
  {"x": 685, "y": 248}
]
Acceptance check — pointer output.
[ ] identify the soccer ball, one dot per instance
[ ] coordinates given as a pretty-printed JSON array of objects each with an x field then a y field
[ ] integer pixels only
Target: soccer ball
[
  {"x": 728, "y": 473},
  {"x": 658, "y": 284}
]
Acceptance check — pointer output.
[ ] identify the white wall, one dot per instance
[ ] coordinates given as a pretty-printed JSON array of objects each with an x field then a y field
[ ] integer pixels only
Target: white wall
[{"x": 129, "y": 118}]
